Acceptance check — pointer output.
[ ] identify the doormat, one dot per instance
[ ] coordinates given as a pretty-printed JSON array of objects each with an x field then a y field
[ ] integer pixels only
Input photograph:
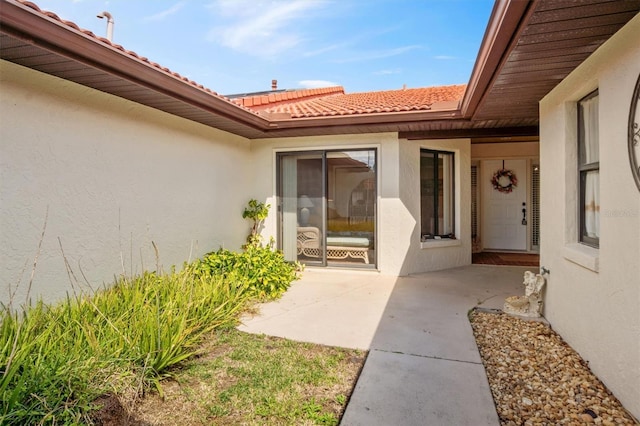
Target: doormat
[{"x": 510, "y": 259}]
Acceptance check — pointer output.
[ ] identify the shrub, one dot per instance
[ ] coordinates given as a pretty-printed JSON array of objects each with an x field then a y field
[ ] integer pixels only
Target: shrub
[
  {"x": 257, "y": 212},
  {"x": 262, "y": 269}
]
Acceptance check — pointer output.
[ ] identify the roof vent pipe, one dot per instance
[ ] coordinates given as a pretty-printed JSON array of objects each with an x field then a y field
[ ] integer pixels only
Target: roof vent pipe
[
  {"x": 274, "y": 84},
  {"x": 109, "y": 24}
]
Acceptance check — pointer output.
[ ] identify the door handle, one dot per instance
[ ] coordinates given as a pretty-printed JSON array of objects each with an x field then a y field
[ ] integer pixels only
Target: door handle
[{"x": 524, "y": 213}]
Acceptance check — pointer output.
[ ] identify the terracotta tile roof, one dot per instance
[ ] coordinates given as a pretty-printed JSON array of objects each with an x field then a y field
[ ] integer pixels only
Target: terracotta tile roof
[
  {"x": 266, "y": 100},
  {"x": 130, "y": 53},
  {"x": 404, "y": 100}
]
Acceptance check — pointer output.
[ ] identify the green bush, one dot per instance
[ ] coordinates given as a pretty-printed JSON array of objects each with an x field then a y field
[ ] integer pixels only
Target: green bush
[
  {"x": 262, "y": 269},
  {"x": 257, "y": 212}
]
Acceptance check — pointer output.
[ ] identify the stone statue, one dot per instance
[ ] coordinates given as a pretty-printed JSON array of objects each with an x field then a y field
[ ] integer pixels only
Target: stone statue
[{"x": 529, "y": 305}]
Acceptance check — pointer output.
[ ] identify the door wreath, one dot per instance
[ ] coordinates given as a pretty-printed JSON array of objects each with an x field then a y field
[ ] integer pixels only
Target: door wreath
[{"x": 504, "y": 180}]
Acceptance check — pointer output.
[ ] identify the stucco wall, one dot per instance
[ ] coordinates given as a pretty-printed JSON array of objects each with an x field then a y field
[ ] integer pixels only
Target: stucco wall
[
  {"x": 399, "y": 247},
  {"x": 114, "y": 176},
  {"x": 593, "y": 295}
]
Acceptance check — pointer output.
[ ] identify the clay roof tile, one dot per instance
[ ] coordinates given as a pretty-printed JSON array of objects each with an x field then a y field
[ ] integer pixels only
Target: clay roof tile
[{"x": 333, "y": 101}]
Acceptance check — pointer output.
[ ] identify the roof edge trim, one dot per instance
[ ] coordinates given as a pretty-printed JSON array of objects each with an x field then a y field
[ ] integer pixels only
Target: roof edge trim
[
  {"x": 371, "y": 118},
  {"x": 501, "y": 31}
]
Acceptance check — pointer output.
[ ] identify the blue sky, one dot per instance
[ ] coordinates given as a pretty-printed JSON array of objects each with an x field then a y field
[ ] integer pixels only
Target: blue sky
[{"x": 235, "y": 46}]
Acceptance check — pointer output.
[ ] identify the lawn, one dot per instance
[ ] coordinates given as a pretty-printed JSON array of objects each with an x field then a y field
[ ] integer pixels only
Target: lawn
[{"x": 245, "y": 379}]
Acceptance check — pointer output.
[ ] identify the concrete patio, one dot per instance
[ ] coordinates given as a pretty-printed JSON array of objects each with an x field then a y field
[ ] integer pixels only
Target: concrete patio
[{"x": 423, "y": 366}]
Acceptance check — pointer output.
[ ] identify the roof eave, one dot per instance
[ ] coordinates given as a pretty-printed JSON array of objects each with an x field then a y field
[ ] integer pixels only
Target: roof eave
[
  {"x": 499, "y": 38},
  {"x": 22, "y": 22},
  {"x": 365, "y": 119}
]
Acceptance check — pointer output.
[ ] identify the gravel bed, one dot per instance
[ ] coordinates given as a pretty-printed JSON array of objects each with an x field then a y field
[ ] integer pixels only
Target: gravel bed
[{"x": 537, "y": 379}]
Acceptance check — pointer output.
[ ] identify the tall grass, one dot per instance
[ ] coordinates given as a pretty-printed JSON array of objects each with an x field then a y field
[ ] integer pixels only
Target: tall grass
[{"x": 56, "y": 359}]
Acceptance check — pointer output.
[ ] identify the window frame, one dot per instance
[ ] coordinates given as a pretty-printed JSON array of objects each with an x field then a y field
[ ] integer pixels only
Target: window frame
[
  {"x": 584, "y": 169},
  {"x": 437, "y": 187}
]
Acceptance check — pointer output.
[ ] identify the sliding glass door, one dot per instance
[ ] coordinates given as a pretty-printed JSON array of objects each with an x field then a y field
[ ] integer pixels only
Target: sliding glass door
[
  {"x": 327, "y": 207},
  {"x": 301, "y": 206}
]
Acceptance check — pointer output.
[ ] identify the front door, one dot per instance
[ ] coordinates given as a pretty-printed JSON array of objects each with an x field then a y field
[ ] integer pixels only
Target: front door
[{"x": 504, "y": 223}]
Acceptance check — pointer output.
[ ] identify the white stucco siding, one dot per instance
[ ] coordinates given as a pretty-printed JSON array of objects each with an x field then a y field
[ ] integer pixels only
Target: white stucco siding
[
  {"x": 593, "y": 295},
  {"x": 436, "y": 255},
  {"x": 114, "y": 176}
]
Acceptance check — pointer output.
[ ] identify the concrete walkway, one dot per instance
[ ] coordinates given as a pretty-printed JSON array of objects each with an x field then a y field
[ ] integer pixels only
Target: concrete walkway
[{"x": 423, "y": 366}]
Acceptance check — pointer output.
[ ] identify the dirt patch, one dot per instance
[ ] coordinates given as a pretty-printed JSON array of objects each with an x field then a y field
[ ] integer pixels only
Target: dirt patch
[{"x": 110, "y": 412}]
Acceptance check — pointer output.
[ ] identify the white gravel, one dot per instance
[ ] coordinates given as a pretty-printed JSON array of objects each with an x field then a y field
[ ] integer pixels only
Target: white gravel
[{"x": 538, "y": 379}]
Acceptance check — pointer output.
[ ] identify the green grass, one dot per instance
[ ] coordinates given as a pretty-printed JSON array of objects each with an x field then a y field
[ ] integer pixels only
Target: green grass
[{"x": 255, "y": 380}]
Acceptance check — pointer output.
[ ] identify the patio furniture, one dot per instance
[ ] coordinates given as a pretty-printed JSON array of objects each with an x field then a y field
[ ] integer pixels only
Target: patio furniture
[{"x": 338, "y": 247}]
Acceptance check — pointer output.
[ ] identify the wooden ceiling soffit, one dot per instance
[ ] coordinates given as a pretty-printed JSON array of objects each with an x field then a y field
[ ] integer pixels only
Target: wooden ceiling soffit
[
  {"x": 498, "y": 39},
  {"x": 555, "y": 37},
  {"x": 501, "y": 132}
]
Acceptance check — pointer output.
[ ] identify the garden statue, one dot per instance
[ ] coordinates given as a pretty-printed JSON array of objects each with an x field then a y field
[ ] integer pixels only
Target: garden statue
[{"x": 529, "y": 305}]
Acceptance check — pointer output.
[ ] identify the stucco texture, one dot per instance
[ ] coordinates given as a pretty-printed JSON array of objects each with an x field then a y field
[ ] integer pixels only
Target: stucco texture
[
  {"x": 593, "y": 295},
  {"x": 114, "y": 176}
]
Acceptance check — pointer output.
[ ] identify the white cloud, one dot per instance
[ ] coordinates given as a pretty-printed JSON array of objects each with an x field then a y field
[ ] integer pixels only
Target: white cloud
[
  {"x": 165, "y": 13},
  {"x": 315, "y": 84},
  {"x": 260, "y": 28},
  {"x": 378, "y": 54}
]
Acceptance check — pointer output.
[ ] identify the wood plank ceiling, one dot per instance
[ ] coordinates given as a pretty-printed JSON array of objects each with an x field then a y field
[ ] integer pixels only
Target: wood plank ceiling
[{"x": 557, "y": 36}]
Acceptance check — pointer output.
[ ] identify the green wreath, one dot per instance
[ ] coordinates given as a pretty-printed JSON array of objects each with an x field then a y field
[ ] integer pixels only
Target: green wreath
[{"x": 504, "y": 180}]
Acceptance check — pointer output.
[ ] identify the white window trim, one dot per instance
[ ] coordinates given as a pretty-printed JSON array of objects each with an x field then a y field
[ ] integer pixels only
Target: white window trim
[
  {"x": 444, "y": 242},
  {"x": 583, "y": 255}
]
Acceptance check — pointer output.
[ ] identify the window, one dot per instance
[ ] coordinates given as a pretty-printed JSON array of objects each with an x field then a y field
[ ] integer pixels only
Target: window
[
  {"x": 589, "y": 170},
  {"x": 436, "y": 195}
]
